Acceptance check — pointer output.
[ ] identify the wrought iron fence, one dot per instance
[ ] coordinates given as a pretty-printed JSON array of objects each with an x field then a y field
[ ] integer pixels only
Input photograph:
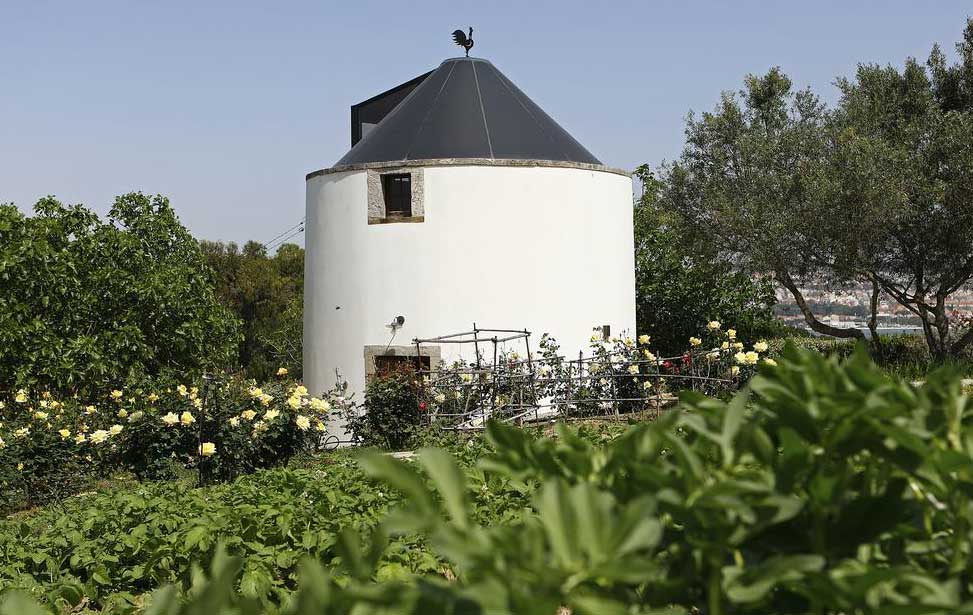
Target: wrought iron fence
[{"x": 619, "y": 377}]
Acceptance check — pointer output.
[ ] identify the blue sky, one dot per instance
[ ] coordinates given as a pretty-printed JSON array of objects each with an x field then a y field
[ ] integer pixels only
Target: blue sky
[{"x": 224, "y": 106}]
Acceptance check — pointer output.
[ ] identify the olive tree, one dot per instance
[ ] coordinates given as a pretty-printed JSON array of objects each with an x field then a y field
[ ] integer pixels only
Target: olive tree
[
  {"x": 877, "y": 191},
  {"x": 901, "y": 164},
  {"x": 746, "y": 183}
]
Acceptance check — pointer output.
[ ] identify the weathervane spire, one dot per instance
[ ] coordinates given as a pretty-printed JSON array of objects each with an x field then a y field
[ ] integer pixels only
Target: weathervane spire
[{"x": 463, "y": 40}]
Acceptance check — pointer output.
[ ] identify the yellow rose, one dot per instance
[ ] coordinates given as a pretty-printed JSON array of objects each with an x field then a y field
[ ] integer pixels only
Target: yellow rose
[
  {"x": 64, "y": 433},
  {"x": 248, "y": 414},
  {"x": 644, "y": 339},
  {"x": 115, "y": 430},
  {"x": 294, "y": 402},
  {"x": 21, "y": 397},
  {"x": 187, "y": 418},
  {"x": 207, "y": 449},
  {"x": 80, "y": 439},
  {"x": 303, "y": 423},
  {"x": 271, "y": 415},
  {"x": 170, "y": 419},
  {"x": 761, "y": 346},
  {"x": 40, "y": 415},
  {"x": 731, "y": 333},
  {"x": 695, "y": 341},
  {"x": 713, "y": 325},
  {"x": 183, "y": 391},
  {"x": 770, "y": 362},
  {"x": 282, "y": 371},
  {"x": 99, "y": 436},
  {"x": 122, "y": 413},
  {"x": 152, "y": 398},
  {"x": 633, "y": 369},
  {"x": 320, "y": 405},
  {"x": 116, "y": 395},
  {"x": 234, "y": 421}
]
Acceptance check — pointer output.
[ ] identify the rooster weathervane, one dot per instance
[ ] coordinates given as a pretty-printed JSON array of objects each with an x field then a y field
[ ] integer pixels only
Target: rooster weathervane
[{"x": 463, "y": 40}]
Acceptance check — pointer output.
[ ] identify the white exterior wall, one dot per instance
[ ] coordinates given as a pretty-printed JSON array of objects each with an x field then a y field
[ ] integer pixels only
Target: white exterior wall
[{"x": 548, "y": 249}]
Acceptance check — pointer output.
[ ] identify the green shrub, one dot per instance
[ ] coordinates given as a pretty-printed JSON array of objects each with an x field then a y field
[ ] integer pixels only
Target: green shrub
[
  {"x": 682, "y": 282},
  {"x": 392, "y": 414},
  {"x": 904, "y": 355},
  {"x": 50, "y": 448}
]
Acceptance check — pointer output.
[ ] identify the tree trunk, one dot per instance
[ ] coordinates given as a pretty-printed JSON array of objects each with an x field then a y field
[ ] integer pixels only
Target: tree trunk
[
  {"x": 873, "y": 320},
  {"x": 816, "y": 325}
]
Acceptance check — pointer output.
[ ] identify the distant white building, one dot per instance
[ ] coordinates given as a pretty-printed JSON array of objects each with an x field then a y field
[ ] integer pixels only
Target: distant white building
[{"x": 463, "y": 202}]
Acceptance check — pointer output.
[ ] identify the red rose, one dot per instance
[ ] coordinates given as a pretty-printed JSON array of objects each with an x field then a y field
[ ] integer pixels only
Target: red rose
[
  {"x": 667, "y": 364},
  {"x": 422, "y": 406}
]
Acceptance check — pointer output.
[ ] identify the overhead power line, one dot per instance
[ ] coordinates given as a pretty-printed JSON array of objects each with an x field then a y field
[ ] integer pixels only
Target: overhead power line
[{"x": 284, "y": 235}]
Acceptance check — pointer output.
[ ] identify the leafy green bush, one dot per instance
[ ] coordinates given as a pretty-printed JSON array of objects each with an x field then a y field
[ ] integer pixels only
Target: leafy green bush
[
  {"x": 682, "y": 282},
  {"x": 392, "y": 413},
  {"x": 90, "y": 304},
  {"x": 904, "y": 355},
  {"x": 50, "y": 448}
]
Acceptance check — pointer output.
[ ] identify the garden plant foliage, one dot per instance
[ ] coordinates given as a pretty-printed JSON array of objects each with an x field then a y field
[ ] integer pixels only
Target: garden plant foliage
[{"x": 821, "y": 488}]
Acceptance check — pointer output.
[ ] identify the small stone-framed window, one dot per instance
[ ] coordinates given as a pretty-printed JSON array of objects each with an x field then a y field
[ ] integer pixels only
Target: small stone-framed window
[
  {"x": 397, "y": 191},
  {"x": 381, "y": 360},
  {"x": 395, "y": 195}
]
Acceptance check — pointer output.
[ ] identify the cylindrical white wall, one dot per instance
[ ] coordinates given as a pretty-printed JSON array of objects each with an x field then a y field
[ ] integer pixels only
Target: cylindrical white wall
[{"x": 549, "y": 249}]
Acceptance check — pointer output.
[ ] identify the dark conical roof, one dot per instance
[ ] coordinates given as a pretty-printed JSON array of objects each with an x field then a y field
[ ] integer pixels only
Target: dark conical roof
[{"x": 467, "y": 109}]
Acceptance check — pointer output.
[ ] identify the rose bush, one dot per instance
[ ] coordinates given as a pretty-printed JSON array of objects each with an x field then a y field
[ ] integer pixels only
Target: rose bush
[{"x": 50, "y": 447}]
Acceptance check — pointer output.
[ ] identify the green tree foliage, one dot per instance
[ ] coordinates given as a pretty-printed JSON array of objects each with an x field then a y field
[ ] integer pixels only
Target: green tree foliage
[
  {"x": 89, "y": 303},
  {"x": 682, "y": 283},
  {"x": 899, "y": 185},
  {"x": 744, "y": 184},
  {"x": 879, "y": 190},
  {"x": 267, "y": 294}
]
